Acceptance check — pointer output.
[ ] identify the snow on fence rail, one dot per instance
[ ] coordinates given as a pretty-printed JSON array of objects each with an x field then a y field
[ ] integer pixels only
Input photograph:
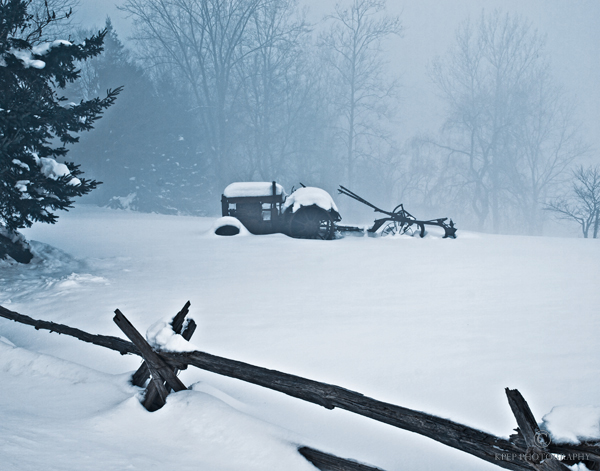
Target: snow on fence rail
[{"x": 526, "y": 450}]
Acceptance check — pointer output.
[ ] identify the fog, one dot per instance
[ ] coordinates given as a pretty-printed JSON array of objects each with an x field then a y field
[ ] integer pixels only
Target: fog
[
  {"x": 571, "y": 27},
  {"x": 418, "y": 110}
]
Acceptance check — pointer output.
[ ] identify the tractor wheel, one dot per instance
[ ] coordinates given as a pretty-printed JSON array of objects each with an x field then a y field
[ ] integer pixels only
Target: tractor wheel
[
  {"x": 311, "y": 222},
  {"x": 390, "y": 229},
  {"x": 393, "y": 228}
]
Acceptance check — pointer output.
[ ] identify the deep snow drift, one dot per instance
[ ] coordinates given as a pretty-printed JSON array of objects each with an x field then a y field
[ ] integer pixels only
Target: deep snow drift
[{"x": 432, "y": 324}]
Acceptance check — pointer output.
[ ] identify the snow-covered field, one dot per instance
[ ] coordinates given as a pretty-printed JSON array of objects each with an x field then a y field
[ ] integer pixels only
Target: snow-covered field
[{"x": 432, "y": 324}]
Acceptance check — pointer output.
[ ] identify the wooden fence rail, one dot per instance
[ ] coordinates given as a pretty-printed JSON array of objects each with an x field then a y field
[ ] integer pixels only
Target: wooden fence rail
[{"x": 519, "y": 453}]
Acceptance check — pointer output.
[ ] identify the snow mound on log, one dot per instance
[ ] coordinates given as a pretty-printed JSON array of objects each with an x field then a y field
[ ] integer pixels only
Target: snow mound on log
[
  {"x": 160, "y": 335},
  {"x": 573, "y": 424},
  {"x": 578, "y": 467}
]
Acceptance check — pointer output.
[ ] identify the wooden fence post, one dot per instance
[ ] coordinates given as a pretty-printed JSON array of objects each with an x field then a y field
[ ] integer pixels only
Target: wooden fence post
[
  {"x": 537, "y": 453},
  {"x": 159, "y": 370},
  {"x": 142, "y": 374}
]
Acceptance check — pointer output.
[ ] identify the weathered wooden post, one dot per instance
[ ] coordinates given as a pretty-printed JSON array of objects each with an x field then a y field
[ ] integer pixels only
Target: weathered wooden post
[
  {"x": 142, "y": 374},
  {"x": 152, "y": 399},
  {"x": 160, "y": 372},
  {"x": 537, "y": 453}
]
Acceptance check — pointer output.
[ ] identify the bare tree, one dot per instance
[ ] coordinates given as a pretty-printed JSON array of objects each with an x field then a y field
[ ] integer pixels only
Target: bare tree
[
  {"x": 425, "y": 182},
  {"x": 507, "y": 125},
  {"x": 353, "y": 48},
  {"x": 49, "y": 20},
  {"x": 313, "y": 136},
  {"x": 273, "y": 88},
  {"x": 204, "y": 41},
  {"x": 582, "y": 205},
  {"x": 546, "y": 142}
]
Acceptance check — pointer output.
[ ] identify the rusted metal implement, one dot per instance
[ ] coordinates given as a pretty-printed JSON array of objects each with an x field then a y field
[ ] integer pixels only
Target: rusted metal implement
[{"x": 398, "y": 221}]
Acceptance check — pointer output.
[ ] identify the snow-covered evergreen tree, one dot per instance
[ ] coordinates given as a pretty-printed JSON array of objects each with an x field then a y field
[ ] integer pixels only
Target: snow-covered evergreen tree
[{"x": 36, "y": 123}]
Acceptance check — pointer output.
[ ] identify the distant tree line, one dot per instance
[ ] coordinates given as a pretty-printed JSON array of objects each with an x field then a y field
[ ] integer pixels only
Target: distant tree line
[
  {"x": 510, "y": 136},
  {"x": 217, "y": 91}
]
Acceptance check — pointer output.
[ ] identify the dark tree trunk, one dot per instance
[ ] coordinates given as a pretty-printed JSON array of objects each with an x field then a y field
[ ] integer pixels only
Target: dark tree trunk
[{"x": 19, "y": 250}]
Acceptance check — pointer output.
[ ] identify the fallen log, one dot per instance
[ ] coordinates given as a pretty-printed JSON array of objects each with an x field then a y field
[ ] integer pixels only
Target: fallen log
[
  {"x": 483, "y": 445},
  {"x": 464, "y": 438},
  {"x": 113, "y": 343},
  {"x": 326, "y": 462},
  {"x": 321, "y": 460}
]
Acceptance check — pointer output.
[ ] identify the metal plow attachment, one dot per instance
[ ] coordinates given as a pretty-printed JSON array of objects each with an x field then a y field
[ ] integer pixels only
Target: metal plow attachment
[{"x": 398, "y": 221}]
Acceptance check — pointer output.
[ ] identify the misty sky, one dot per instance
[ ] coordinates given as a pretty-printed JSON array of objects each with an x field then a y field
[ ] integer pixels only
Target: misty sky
[{"x": 571, "y": 26}]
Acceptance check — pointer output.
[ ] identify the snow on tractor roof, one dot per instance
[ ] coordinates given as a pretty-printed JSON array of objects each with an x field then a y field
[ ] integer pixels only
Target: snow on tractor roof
[
  {"x": 242, "y": 189},
  {"x": 308, "y": 196}
]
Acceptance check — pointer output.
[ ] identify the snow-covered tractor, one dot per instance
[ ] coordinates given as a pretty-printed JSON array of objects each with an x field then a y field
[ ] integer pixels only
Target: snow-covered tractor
[{"x": 265, "y": 208}]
